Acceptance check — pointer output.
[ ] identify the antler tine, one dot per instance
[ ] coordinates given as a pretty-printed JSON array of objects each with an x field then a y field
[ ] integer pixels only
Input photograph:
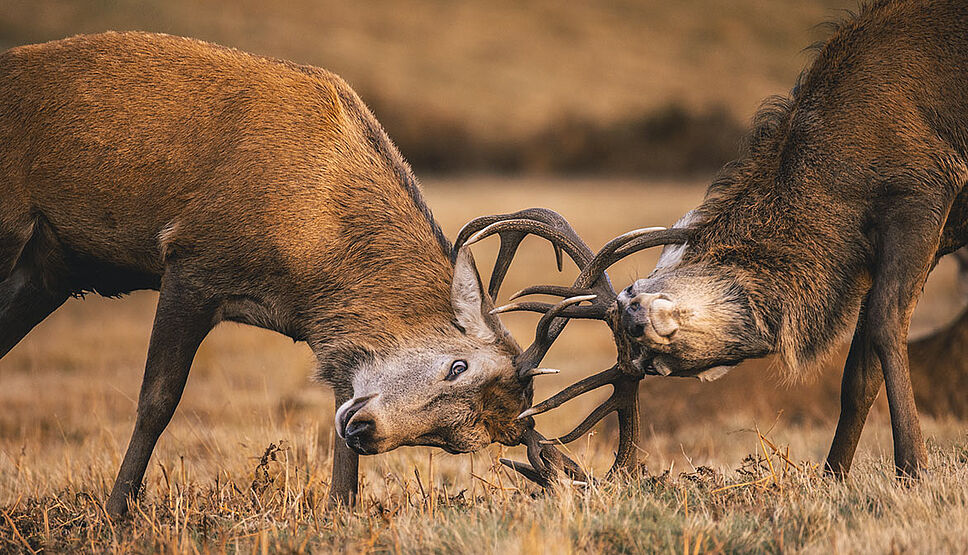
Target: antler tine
[
  {"x": 548, "y": 329},
  {"x": 593, "y": 312},
  {"x": 630, "y": 243},
  {"x": 533, "y": 355},
  {"x": 594, "y": 381},
  {"x": 472, "y": 227},
  {"x": 513, "y": 228},
  {"x": 609, "y": 406},
  {"x": 543, "y": 372},
  {"x": 669, "y": 236},
  {"x": 526, "y": 470},
  {"x": 545, "y": 461},
  {"x": 599, "y": 286},
  {"x": 509, "y": 246},
  {"x": 518, "y": 228},
  {"x": 553, "y": 290}
]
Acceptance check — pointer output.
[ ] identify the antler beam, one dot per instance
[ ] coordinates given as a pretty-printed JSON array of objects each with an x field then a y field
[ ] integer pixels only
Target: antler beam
[{"x": 592, "y": 287}]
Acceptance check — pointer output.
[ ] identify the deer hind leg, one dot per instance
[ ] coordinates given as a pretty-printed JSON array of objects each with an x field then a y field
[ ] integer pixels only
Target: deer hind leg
[
  {"x": 905, "y": 254},
  {"x": 346, "y": 463},
  {"x": 861, "y": 384},
  {"x": 182, "y": 320},
  {"x": 30, "y": 284}
]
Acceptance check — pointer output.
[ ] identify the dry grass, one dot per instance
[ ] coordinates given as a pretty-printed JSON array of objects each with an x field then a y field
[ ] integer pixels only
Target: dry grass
[
  {"x": 245, "y": 463},
  {"x": 769, "y": 503},
  {"x": 244, "y": 466}
]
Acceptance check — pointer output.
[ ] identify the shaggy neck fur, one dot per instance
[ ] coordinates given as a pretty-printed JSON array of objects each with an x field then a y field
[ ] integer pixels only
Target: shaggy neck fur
[
  {"x": 804, "y": 280},
  {"x": 791, "y": 219},
  {"x": 774, "y": 222}
]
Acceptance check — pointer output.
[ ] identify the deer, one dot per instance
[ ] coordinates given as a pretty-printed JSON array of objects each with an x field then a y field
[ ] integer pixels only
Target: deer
[
  {"x": 939, "y": 365},
  {"x": 846, "y": 195},
  {"x": 250, "y": 190}
]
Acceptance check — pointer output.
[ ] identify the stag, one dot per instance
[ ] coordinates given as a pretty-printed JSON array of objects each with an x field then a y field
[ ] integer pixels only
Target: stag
[
  {"x": 256, "y": 191},
  {"x": 847, "y": 194}
]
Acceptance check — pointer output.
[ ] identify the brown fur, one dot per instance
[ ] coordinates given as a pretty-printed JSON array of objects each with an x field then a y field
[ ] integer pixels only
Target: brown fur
[
  {"x": 187, "y": 135},
  {"x": 939, "y": 370},
  {"x": 245, "y": 189}
]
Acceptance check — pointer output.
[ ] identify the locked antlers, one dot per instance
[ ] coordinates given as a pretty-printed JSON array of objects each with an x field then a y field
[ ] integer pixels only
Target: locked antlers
[
  {"x": 591, "y": 296},
  {"x": 512, "y": 229}
]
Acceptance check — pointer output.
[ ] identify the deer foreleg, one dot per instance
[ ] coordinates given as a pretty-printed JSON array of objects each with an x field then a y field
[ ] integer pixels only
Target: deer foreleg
[
  {"x": 861, "y": 383},
  {"x": 182, "y": 320},
  {"x": 344, "y": 486}
]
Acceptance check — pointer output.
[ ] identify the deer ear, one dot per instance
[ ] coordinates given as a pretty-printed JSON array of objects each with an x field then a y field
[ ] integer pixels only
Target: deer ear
[{"x": 471, "y": 304}]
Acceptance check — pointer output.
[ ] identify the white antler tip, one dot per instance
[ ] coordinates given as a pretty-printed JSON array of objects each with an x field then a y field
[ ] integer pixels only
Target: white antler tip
[
  {"x": 526, "y": 414},
  {"x": 475, "y": 238},
  {"x": 579, "y": 299}
]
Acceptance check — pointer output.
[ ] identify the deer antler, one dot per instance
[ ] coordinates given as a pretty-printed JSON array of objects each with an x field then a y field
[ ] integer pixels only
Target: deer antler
[
  {"x": 590, "y": 296},
  {"x": 545, "y": 460},
  {"x": 592, "y": 288},
  {"x": 624, "y": 376},
  {"x": 513, "y": 228}
]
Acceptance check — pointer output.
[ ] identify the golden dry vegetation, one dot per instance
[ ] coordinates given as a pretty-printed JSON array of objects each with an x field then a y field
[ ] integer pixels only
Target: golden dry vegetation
[{"x": 245, "y": 463}]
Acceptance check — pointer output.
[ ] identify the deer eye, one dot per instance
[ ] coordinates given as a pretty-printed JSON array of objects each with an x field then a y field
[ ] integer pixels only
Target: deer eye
[{"x": 456, "y": 369}]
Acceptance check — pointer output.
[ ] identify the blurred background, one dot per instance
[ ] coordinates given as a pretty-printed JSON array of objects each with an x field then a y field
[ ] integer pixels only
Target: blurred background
[
  {"x": 616, "y": 114},
  {"x": 622, "y": 87}
]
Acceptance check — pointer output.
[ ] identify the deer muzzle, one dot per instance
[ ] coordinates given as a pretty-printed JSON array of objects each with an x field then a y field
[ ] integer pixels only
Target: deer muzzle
[
  {"x": 354, "y": 425},
  {"x": 648, "y": 317}
]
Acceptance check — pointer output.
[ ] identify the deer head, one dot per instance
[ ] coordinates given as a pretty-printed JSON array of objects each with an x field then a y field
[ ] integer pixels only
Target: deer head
[
  {"x": 692, "y": 320},
  {"x": 463, "y": 383},
  {"x": 453, "y": 385}
]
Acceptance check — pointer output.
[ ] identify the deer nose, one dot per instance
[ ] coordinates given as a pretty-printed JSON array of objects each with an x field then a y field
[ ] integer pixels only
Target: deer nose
[
  {"x": 359, "y": 430},
  {"x": 633, "y": 317},
  {"x": 346, "y": 413},
  {"x": 360, "y": 434}
]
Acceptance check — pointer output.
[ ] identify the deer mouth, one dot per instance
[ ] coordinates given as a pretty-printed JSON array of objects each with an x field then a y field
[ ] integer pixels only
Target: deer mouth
[
  {"x": 435, "y": 440},
  {"x": 649, "y": 369}
]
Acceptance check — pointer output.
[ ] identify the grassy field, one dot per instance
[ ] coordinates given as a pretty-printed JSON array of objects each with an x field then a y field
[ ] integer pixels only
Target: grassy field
[{"x": 728, "y": 466}]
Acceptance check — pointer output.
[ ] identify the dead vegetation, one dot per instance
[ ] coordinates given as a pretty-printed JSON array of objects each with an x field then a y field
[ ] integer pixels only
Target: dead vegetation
[
  {"x": 244, "y": 464},
  {"x": 774, "y": 502}
]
